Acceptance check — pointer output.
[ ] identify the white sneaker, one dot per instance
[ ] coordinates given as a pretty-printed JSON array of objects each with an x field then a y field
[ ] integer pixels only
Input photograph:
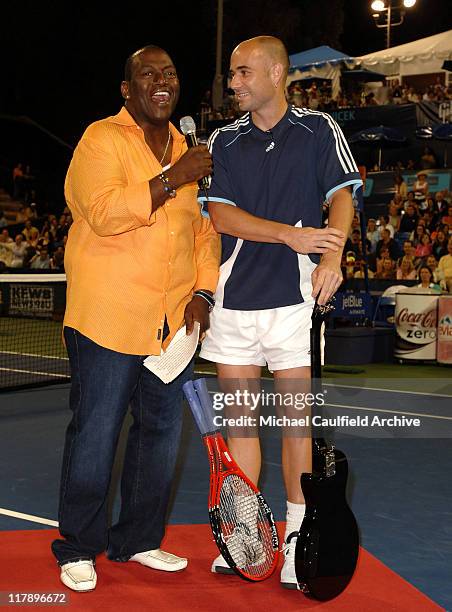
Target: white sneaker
[
  {"x": 79, "y": 575},
  {"x": 220, "y": 566},
  {"x": 160, "y": 560},
  {"x": 288, "y": 575}
]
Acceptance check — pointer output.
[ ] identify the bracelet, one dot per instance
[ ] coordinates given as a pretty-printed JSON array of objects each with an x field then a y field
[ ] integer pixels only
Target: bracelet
[
  {"x": 209, "y": 299},
  {"x": 166, "y": 185}
]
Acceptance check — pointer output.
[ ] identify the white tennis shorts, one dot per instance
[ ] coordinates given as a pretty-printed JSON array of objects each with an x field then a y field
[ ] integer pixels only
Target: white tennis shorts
[{"x": 278, "y": 337}]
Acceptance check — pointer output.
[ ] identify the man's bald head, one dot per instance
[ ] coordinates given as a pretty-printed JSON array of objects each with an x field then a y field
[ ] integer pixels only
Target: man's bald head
[{"x": 271, "y": 48}]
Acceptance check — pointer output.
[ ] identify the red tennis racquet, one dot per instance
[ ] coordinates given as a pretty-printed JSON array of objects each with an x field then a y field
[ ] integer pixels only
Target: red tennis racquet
[{"x": 241, "y": 520}]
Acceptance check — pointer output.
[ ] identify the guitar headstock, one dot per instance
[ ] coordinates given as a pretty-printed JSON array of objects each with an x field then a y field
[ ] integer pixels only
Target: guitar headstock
[{"x": 321, "y": 311}]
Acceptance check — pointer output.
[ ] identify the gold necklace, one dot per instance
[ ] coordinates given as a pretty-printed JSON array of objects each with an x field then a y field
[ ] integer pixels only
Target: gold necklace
[{"x": 166, "y": 148}]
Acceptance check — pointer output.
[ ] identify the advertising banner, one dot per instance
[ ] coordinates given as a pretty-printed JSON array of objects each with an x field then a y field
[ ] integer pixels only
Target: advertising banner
[
  {"x": 416, "y": 326},
  {"x": 444, "y": 343}
]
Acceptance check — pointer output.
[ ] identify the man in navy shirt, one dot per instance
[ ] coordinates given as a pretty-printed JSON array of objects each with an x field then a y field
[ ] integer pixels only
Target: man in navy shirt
[{"x": 273, "y": 169}]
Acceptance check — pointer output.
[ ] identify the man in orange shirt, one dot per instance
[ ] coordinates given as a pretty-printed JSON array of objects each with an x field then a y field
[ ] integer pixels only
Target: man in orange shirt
[{"x": 138, "y": 253}]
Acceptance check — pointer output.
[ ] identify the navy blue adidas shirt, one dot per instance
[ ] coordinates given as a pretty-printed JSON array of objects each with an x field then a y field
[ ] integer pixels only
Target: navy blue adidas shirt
[{"x": 282, "y": 175}]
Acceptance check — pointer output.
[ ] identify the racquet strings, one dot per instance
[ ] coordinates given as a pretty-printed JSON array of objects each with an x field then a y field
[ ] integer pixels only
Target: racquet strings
[{"x": 245, "y": 527}]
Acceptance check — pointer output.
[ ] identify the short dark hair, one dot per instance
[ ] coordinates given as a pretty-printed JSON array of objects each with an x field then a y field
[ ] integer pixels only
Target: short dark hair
[{"x": 129, "y": 61}]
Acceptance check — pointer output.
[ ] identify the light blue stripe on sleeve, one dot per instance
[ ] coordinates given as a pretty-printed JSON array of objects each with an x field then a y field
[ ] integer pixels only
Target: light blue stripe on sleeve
[
  {"x": 355, "y": 182},
  {"x": 222, "y": 200}
]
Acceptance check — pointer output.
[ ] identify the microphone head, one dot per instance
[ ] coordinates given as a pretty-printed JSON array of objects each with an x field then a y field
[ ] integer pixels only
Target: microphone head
[{"x": 187, "y": 125}]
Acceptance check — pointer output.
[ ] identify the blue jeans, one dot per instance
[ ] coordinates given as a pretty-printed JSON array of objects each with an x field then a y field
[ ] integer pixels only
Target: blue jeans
[{"x": 104, "y": 383}]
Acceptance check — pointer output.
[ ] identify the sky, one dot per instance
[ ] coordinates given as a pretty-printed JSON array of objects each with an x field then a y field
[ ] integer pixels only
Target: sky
[{"x": 62, "y": 63}]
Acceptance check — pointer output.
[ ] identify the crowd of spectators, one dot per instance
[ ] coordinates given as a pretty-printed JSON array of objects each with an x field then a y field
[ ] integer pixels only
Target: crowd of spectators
[
  {"x": 30, "y": 240},
  {"x": 316, "y": 94},
  {"x": 319, "y": 96},
  {"x": 415, "y": 235}
]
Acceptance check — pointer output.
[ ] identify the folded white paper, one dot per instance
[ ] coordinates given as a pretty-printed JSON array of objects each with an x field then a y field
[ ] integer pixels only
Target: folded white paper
[{"x": 170, "y": 363}]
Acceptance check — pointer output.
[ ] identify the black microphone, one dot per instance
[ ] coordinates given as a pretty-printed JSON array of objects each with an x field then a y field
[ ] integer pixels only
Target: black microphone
[{"x": 188, "y": 129}]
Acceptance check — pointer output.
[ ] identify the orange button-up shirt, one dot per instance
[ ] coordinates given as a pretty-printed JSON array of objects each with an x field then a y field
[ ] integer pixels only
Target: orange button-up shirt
[{"x": 127, "y": 268}]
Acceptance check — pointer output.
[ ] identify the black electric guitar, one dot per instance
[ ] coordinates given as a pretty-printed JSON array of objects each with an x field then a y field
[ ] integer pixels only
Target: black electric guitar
[{"x": 328, "y": 541}]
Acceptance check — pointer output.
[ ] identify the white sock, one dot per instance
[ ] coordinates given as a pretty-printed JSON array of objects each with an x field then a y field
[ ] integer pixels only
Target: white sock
[{"x": 294, "y": 518}]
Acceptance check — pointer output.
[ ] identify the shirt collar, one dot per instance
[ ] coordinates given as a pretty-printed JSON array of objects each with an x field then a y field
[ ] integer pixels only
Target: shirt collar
[
  {"x": 125, "y": 118},
  {"x": 276, "y": 129}
]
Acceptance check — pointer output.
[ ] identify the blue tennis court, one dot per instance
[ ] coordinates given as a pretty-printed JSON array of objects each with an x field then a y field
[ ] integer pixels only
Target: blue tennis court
[{"x": 399, "y": 485}]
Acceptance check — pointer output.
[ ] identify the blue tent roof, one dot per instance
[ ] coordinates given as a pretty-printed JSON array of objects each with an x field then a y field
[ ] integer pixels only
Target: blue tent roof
[{"x": 316, "y": 56}]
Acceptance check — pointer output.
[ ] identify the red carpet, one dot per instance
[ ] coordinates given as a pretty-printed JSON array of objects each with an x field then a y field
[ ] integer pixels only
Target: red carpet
[{"x": 28, "y": 566}]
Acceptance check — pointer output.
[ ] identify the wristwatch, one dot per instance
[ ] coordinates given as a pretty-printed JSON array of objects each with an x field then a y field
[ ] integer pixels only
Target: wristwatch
[{"x": 209, "y": 299}]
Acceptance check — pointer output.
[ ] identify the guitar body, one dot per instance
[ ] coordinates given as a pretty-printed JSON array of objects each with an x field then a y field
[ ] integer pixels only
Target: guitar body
[
  {"x": 327, "y": 546},
  {"x": 328, "y": 542}
]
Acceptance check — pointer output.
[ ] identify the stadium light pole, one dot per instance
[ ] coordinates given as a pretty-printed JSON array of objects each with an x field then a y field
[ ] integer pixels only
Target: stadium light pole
[
  {"x": 217, "y": 87},
  {"x": 387, "y": 8}
]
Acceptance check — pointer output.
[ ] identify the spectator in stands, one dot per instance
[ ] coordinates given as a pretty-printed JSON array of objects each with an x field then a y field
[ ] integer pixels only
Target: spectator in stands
[
  {"x": 409, "y": 220},
  {"x": 389, "y": 243},
  {"x": 406, "y": 270},
  {"x": 40, "y": 261},
  {"x": 420, "y": 187},
  {"x": 445, "y": 267},
  {"x": 30, "y": 252},
  {"x": 18, "y": 182},
  {"x": 373, "y": 235},
  {"x": 400, "y": 187},
  {"x": 53, "y": 228},
  {"x": 432, "y": 264},
  {"x": 5, "y": 238},
  {"x": 384, "y": 224},
  {"x": 431, "y": 214},
  {"x": 31, "y": 233},
  {"x": 396, "y": 93},
  {"x": 424, "y": 247},
  {"x": 19, "y": 250},
  {"x": 425, "y": 278},
  {"x": 439, "y": 247},
  {"x": 428, "y": 159},
  {"x": 62, "y": 229},
  {"x": 408, "y": 251},
  {"x": 348, "y": 267},
  {"x": 31, "y": 211},
  {"x": 448, "y": 217},
  {"x": 410, "y": 199},
  {"x": 3, "y": 221},
  {"x": 410, "y": 166},
  {"x": 441, "y": 204},
  {"x": 21, "y": 217},
  {"x": 57, "y": 259},
  {"x": 418, "y": 232},
  {"x": 386, "y": 270},
  {"x": 393, "y": 216}
]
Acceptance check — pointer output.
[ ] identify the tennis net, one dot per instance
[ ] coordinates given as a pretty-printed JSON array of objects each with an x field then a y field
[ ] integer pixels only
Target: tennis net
[{"x": 32, "y": 352}]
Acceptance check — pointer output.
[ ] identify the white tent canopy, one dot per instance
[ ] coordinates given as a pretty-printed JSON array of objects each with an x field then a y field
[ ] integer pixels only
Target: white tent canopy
[{"x": 422, "y": 56}]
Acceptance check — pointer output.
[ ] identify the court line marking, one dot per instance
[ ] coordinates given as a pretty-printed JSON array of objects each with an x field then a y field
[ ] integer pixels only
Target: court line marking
[
  {"x": 388, "y": 390},
  {"x": 33, "y": 355},
  {"x": 28, "y": 517},
  {"x": 357, "y": 387},
  {"x": 33, "y": 372},
  {"x": 393, "y": 412}
]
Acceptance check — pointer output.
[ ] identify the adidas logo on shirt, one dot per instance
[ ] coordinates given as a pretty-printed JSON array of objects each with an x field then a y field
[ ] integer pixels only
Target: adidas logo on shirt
[{"x": 270, "y": 147}]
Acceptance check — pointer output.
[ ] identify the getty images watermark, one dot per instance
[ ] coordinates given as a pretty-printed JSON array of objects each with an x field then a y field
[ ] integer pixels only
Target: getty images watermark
[
  {"x": 373, "y": 408},
  {"x": 294, "y": 401}
]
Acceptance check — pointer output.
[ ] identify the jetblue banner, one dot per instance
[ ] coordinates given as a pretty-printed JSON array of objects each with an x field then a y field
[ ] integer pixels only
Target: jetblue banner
[{"x": 353, "y": 305}]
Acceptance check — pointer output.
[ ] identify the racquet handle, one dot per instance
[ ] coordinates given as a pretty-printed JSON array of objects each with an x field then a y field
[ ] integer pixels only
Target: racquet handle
[
  {"x": 195, "y": 406},
  {"x": 200, "y": 386}
]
